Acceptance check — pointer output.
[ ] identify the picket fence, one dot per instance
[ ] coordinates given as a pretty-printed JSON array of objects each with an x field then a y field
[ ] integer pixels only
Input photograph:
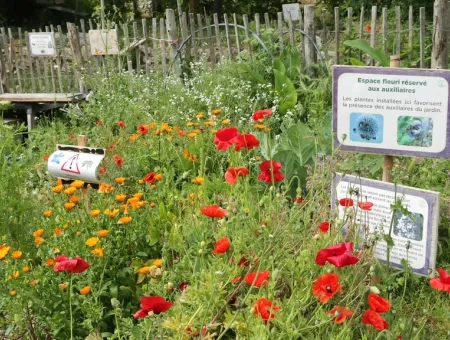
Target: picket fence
[{"x": 166, "y": 45}]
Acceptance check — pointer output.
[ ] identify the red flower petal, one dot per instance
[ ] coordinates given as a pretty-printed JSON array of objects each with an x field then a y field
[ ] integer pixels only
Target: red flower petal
[
  {"x": 346, "y": 202},
  {"x": 260, "y": 114},
  {"x": 371, "y": 317},
  {"x": 326, "y": 286},
  {"x": 365, "y": 206},
  {"x": 150, "y": 177},
  {"x": 265, "y": 308},
  {"x": 221, "y": 246},
  {"x": 213, "y": 211},
  {"x": 378, "y": 304},
  {"x": 155, "y": 304},
  {"x": 257, "y": 278},
  {"x": 247, "y": 141},
  {"x": 340, "y": 314},
  {"x": 224, "y": 138},
  {"x": 324, "y": 227}
]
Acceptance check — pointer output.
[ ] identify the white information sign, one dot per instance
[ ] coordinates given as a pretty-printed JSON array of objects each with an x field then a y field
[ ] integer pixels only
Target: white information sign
[
  {"x": 293, "y": 10},
  {"x": 42, "y": 44},
  {"x": 80, "y": 163},
  {"x": 392, "y": 111},
  {"x": 414, "y": 233},
  {"x": 103, "y": 42}
]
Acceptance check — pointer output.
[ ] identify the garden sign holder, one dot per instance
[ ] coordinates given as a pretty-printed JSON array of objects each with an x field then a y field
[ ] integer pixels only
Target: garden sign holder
[{"x": 394, "y": 111}]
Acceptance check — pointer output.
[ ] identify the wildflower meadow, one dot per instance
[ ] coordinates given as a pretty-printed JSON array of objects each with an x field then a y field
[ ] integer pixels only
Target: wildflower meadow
[{"x": 212, "y": 219}]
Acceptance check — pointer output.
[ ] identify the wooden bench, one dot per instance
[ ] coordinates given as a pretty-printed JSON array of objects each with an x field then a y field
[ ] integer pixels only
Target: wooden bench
[{"x": 34, "y": 103}]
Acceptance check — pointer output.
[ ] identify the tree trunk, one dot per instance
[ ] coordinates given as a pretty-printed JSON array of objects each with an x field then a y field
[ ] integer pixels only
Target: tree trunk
[{"x": 439, "y": 54}]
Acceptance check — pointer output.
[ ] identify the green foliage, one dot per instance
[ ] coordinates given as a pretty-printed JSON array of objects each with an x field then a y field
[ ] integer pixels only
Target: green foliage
[{"x": 373, "y": 53}]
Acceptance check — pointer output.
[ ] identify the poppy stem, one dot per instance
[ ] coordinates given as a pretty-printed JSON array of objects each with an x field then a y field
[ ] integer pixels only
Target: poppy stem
[{"x": 70, "y": 307}]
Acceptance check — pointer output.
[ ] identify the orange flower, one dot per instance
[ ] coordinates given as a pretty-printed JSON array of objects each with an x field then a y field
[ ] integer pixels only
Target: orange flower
[
  {"x": 70, "y": 190},
  {"x": 226, "y": 122},
  {"x": 78, "y": 233},
  {"x": 158, "y": 177},
  {"x": 144, "y": 270},
  {"x": 26, "y": 269},
  {"x": 121, "y": 197},
  {"x": 58, "y": 188},
  {"x": 209, "y": 123},
  {"x": 158, "y": 263},
  {"x": 124, "y": 220},
  {"x": 74, "y": 199},
  {"x": 216, "y": 111},
  {"x": 124, "y": 207},
  {"x": 103, "y": 233},
  {"x": 63, "y": 285},
  {"x": 198, "y": 180},
  {"x": 105, "y": 188},
  {"x": 33, "y": 283},
  {"x": 13, "y": 292},
  {"x": 58, "y": 231},
  {"x": 17, "y": 254},
  {"x": 111, "y": 213},
  {"x": 138, "y": 195},
  {"x": 200, "y": 115},
  {"x": 16, "y": 274},
  {"x": 38, "y": 240},
  {"x": 97, "y": 252},
  {"x": 77, "y": 184},
  {"x": 85, "y": 290},
  {"x": 69, "y": 205},
  {"x": 50, "y": 262},
  {"x": 166, "y": 128},
  {"x": 92, "y": 242},
  {"x": 95, "y": 212},
  {"x": 152, "y": 204},
  {"x": 47, "y": 213},
  {"x": 38, "y": 233},
  {"x": 120, "y": 180},
  {"x": 134, "y": 137}
]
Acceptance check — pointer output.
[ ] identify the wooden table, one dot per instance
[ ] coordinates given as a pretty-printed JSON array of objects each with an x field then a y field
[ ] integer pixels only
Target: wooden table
[{"x": 34, "y": 103}]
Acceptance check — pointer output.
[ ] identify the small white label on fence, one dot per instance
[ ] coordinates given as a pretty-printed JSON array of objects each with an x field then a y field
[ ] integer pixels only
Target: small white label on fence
[
  {"x": 293, "y": 10},
  {"x": 103, "y": 42},
  {"x": 42, "y": 44}
]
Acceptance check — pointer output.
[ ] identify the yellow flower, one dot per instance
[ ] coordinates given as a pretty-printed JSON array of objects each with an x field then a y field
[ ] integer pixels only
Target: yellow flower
[
  {"x": 85, "y": 290},
  {"x": 144, "y": 270},
  {"x": 65, "y": 226},
  {"x": 63, "y": 285},
  {"x": 56, "y": 250},
  {"x": 134, "y": 137},
  {"x": 111, "y": 213},
  {"x": 38, "y": 240},
  {"x": 141, "y": 181},
  {"x": 121, "y": 197},
  {"x": 77, "y": 184},
  {"x": 95, "y": 212},
  {"x": 124, "y": 220},
  {"x": 192, "y": 135},
  {"x": 58, "y": 231},
  {"x": 13, "y": 292},
  {"x": 166, "y": 128},
  {"x": 9, "y": 277},
  {"x": 17, "y": 254},
  {"x": 157, "y": 263},
  {"x": 74, "y": 199},
  {"x": 4, "y": 250},
  {"x": 97, "y": 252},
  {"x": 260, "y": 126},
  {"x": 200, "y": 115},
  {"x": 38, "y": 233},
  {"x": 103, "y": 233},
  {"x": 69, "y": 205},
  {"x": 257, "y": 158},
  {"x": 92, "y": 242},
  {"x": 153, "y": 186},
  {"x": 58, "y": 188},
  {"x": 70, "y": 190},
  {"x": 216, "y": 111},
  {"x": 198, "y": 180},
  {"x": 209, "y": 123},
  {"x": 120, "y": 180},
  {"x": 78, "y": 233},
  {"x": 158, "y": 177},
  {"x": 225, "y": 122},
  {"x": 188, "y": 124},
  {"x": 26, "y": 269},
  {"x": 152, "y": 204},
  {"x": 16, "y": 274},
  {"x": 47, "y": 213}
]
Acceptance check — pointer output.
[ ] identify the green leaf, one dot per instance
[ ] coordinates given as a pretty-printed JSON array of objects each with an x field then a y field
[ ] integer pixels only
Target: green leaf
[
  {"x": 292, "y": 61},
  {"x": 175, "y": 241},
  {"x": 154, "y": 231},
  {"x": 285, "y": 90},
  {"x": 279, "y": 66},
  {"x": 374, "y": 53},
  {"x": 137, "y": 332},
  {"x": 356, "y": 62},
  {"x": 246, "y": 69}
]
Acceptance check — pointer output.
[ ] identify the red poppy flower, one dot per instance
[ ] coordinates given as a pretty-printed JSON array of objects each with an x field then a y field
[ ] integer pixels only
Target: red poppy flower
[
  {"x": 326, "y": 286},
  {"x": 378, "y": 304},
  {"x": 150, "y": 177},
  {"x": 45, "y": 157},
  {"x": 339, "y": 255},
  {"x": 346, "y": 202},
  {"x": 324, "y": 227},
  {"x": 270, "y": 169},
  {"x": 72, "y": 136},
  {"x": 99, "y": 123},
  {"x": 143, "y": 129},
  {"x": 265, "y": 308},
  {"x": 74, "y": 266},
  {"x": 236, "y": 279},
  {"x": 155, "y": 304},
  {"x": 118, "y": 160},
  {"x": 260, "y": 114},
  {"x": 443, "y": 282},
  {"x": 299, "y": 200},
  {"x": 257, "y": 278},
  {"x": 221, "y": 246},
  {"x": 183, "y": 285},
  {"x": 225, "y": 138},
  {"x": 340, "y": 314},
  {"x": 182, "y": 133},
  {"x": 246, "y": 140},
  {"x": 121, "y": 124},
  {"x": 365, "y": 206},
  {"x": 213, "y": 211},
  {"x": 112, "y": 147},
  {"x": 369, "y": 28},
  {"x": 243, "y": 261},
  {"x": 371, "y": 317},
  {"x": 102, "y": 170},
  {"x": 233, "y": 173}
]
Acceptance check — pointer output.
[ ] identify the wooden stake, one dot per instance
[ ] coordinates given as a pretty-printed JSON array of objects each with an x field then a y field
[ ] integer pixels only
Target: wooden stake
[{"x": 389, "y": 160}]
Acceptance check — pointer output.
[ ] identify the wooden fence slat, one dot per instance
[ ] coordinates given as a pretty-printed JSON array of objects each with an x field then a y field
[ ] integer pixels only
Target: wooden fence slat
[
  {"x": 64, "y": 62},
  {"x": 349, "y": 22},
  {"x": 227, "y": 33},
  {"x": 373, "y": 29},
  {"x": 126, "y": 37},
  {"x": 268, "y": 28},
  {"x": 337, "y": 31},
  {"x": 291, "y": 29},
  {"x": 155, "y": 53},
  {"x": 162, "y": 30},
  {"x": 361, "y": 27},
  {"x": 87, "y": 50},
  {"x": 30, "y": 63},
  {"x": 137, "y": 49},
  {"x": 200, "y": 33},
  {"x": 172, "y": 36},
  {"x": 218, "y": 37},
  {"x": 23, "y": 61},
  {"x": 280, "y": 31},
  {"x": 48, "y": 65},
  {"x": 193, "y": 35},
  {"x": 410, "y": 31},
  {"x": 145, "y": 36},
  {"x": 7, "y": 62},
  {"x": 91, "y": 27},
  {"x": 422, "y": 36},
  {"x": 310, "y": 51},
  {"x": 257, "y": 25},
  {"x": 184, "y": 30},
  {"x": 249, "y": 43},
  {"x": 324, "y": 34},
  {"x": 236, "y": 32},
  {"x": 384, "y": 29},
  {"x": 37, "y": 61},
  {"x": 119, "y": 57},
  {"x": 14, "y": 60},
  {"x": 398, "y": 27},
  {"x": 212, "y": 54},
  {"x": 51, "y": 64}
]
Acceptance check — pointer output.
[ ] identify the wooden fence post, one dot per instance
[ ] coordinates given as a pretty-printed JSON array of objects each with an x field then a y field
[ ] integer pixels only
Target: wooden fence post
[
  {"x": 172, "y": 35},
  {"x": 72, "y": 33},
  {"x": 310, "y": 51},
  {"x": 439, "y": 54}
]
